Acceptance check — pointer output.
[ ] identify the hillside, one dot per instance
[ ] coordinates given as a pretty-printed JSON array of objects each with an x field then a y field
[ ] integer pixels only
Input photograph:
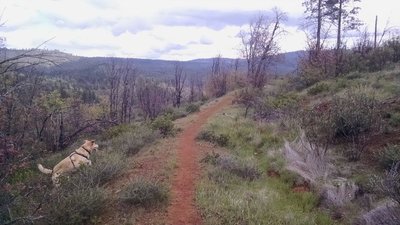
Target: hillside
[{"x": 78, "y": 67}]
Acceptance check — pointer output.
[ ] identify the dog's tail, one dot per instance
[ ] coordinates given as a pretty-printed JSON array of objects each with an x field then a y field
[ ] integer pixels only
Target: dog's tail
[{"x": 44, "y": 170}]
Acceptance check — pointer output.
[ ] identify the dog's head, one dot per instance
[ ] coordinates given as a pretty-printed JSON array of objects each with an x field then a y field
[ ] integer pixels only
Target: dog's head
[{"x": 90, "y": 145}]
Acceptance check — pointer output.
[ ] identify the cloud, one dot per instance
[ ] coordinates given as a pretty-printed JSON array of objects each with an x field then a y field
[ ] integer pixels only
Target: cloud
[
  {"x": 206, "y": 18},
  {"x": 132, "y": 26}
]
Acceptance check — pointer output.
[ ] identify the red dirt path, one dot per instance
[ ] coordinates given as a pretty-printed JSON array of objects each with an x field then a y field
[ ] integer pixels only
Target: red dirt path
[{"x": 182, "y": 209}]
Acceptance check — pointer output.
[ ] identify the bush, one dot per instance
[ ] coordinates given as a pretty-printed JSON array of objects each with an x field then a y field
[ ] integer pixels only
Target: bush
[
  {"x": 131, "y": 142},
  {"x": 354, "y": 117},
  {"x": 389, "y": 156},
  {"x": 273, "y": 107},
  {"x": 221, "y": 139},
  {"x": 128, "y": 139},
  {"x": 192, "y": 108},
  {"x": 144, "y": 193},
  {"x": 164, "y": 125},
  {"x": 394, "y": 119},
  {"x": 317, "y": 125},
  {"x": 79, "y": 205},
  {"x": 389, "y": 184},
  {"x": 210, "y": 158},
  {"x": 105, "y": 166},
  {"x": 244, "y": 169},
  {"x": 350, "y": 120},
  {"x": 318, "y": 88},
  {"x": 175, "y": 113}
]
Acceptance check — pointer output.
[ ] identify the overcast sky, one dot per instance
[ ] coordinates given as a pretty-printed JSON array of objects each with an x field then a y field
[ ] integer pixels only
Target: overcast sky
[{"x": 163, "y": 29}]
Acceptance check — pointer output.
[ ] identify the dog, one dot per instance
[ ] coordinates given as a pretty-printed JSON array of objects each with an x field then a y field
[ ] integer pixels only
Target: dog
[{"x": 72, "y": 162}]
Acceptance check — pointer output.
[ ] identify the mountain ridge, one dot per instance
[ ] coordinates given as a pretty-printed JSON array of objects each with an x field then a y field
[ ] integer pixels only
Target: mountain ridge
[{"x": 154, "y": 67}]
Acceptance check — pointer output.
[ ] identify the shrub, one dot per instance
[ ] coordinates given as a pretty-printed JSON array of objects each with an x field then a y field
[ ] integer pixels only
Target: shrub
[
  {"x": 175, "y": 113},
  {"x": 317, "y": 125},
  {"x": 220, "y": 139},
  {"x": 318, "y": 88},
  {"x": 144, "y": 193},
  {"x": 394, "y": 119},
  {"x": 210, "y": 158},
  {"x": 244, "y": 169},
  {"x": 192, "y": 108},
  {"x": 389, "y": 156},
  {"x": 248, "y": 98},
  {"x": 389, "y": 184},
  {"x": 79, "y": 205},
  {"x": 131, "y": 142},
  {"x": 354, "y": 117},
  {"x": 105, "y": 166},
  {"x": 350, "y": 119},
  {"x": 164, "y": 125}
]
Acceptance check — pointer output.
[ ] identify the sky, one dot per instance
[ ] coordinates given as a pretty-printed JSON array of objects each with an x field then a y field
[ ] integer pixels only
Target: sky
[{"x": 162, "y": 29}]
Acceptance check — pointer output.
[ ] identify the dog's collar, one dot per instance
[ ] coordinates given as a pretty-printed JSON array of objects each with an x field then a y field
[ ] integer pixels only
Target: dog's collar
[
  {"x": 86, "y": 150},
  {"x": 84, "y": 156}
]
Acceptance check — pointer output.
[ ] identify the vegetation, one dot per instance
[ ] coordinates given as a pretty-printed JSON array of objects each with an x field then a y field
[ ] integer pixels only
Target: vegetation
[
  {"x": 319, "y": 147},
  {"x": 143, "y": 193},
  {"x": 237, "y": 188}
]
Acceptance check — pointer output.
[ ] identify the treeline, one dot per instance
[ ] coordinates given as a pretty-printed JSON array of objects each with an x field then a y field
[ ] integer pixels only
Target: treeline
[
  {"x": 40, "y": 111},
  {"x": 370, "y": 52}
]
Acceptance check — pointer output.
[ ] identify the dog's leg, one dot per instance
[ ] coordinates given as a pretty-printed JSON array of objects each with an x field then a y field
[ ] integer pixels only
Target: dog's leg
[{"x": 56, "y": 180}]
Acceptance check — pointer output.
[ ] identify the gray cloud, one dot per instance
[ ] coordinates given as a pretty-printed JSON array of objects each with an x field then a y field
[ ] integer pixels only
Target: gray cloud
[
  {"x": 79, "y": 46},
  {"x": 215, "y": 19},
  {"x": 133, "y": 26},
  {"x": 159, "y": 52},
  {"x": 208, "y": 18},
  {"x": 169, "y": 48},
  {"x": 64, "y": 21},
  {"x": 202, "y": 41}
]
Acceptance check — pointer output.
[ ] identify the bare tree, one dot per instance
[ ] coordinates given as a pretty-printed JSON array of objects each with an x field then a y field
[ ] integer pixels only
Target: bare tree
[
  {"x": 260, "y": 46},
  {"x": 114, "y": 78},
  {"x": 179, "y": 83},
  {"x": 128, "y": 92},
  {"x": 196, "y": 88},
  {"x": 218, "y": 77},
  {"x": 152, "y": 97}
]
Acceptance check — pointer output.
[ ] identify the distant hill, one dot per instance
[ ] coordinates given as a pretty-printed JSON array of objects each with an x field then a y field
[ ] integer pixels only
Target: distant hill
[{"x": 85, "y": 67}]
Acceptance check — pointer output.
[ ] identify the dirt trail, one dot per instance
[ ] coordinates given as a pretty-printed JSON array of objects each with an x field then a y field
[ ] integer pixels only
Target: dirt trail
[{"x": 182, "y": 209}]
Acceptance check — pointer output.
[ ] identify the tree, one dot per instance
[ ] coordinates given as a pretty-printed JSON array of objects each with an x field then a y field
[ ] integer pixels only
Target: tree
[
  {"x": 343, "y": 13},
  {"x": 196, "y": 88},
  {"x": 218, "y": 77},
  {"x": 315, "y": 13},
  {"x": 260, "y": 46},
  {"x": 128, "y": 92},
  {"x": 114, "y": 79},
  {"x": 152, "y": 97},
  {"x": 179, "y": 83}
]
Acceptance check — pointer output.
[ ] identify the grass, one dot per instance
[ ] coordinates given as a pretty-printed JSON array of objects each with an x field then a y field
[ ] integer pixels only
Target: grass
[
  {"x": 79, "y": 205},
  {"x": 81, "y": 199},
  {"x": 144, "y": 193},
  {"x": 232, "y": 200},
  {"x": 240, "y": 134},
  {"x": 225, "y": 197}
]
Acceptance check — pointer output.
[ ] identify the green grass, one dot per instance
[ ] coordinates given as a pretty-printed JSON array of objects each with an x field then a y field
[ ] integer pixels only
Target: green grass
[
  {"x": 226, "y": 198},
  {"x": 144, "y": 193},
  {"x": 241, "y": 135},
  {"x": 82, "y": 197},
  {"x": 232, "y": 200}
]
